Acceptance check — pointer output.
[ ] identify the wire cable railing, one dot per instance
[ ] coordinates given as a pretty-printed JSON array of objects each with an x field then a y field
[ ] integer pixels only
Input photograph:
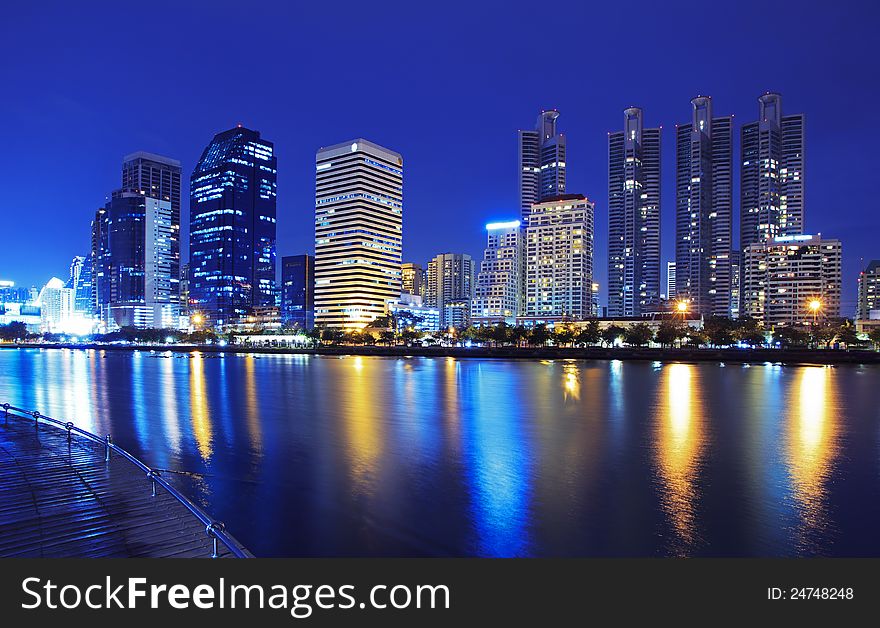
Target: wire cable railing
[{"x": 214, "y": 529}]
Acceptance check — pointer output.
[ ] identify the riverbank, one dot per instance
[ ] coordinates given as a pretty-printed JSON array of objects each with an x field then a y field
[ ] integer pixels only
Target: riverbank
[{"x": 788, "y": 356}]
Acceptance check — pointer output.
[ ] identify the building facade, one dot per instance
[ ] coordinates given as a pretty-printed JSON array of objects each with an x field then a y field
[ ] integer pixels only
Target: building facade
[
  {"x": 772, "y": 176},
  {"x": 541, "y": 162},
  {"x": 413, "y": 279},
  {"x": 411, "y": 309},
  {"x": 869, "y": 292},
  {"x": 233, "y": 227},
  {"x": 559, "y": 259},
  {"x": 135, "y": 281},
  {"x": 782, "y": 277},
  {"x": 358, "y": 233},
  {"x": 703, "y": 213},
  {"x": 450, "y": 285},
  {"x": 671, "y": 290},
  {"x": 298, "y": 291},
  {"x": 633, "y": 217},
  {"x": 498, "y": 292}
]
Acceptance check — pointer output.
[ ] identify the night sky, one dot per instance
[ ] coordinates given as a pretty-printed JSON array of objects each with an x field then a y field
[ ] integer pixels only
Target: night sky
[{"x": 447, "y": 86}]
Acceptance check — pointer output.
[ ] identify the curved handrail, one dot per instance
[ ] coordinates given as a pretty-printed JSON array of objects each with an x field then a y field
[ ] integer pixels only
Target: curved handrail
[{"x": 214, "y": 529}]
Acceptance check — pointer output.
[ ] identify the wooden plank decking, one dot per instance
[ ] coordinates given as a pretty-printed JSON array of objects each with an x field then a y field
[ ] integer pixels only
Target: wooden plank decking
[{"x": 60, "y": 499}]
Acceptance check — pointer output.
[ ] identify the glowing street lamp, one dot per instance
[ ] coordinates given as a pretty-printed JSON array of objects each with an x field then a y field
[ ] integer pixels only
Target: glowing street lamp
[
  {"x": 815, "y": 307},
  {"x": 197, "y": 319}
]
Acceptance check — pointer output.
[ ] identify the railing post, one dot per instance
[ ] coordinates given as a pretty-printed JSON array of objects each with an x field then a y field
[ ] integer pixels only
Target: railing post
[
  {"x": 212, "y": 529},
  {"x": 69, "y": 426},
  {"x": 36, "y": 420},
  {"x": 107, "y": 443},
  {"x": 6, "y": 413},
  {"x": 153, "y": 474}
]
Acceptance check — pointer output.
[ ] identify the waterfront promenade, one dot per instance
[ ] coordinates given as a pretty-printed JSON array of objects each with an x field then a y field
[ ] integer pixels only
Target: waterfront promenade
[
  {"x": 61, "y": 499},
  {"x": 667, "y": 354}
]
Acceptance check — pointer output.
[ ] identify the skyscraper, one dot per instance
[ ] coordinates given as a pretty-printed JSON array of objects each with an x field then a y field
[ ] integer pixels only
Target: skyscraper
[
  {"x": 298, "y": 291},
  {"x": 541, "y": 162},
  {"x": 133, "y": 256},
  {"x": 358, "y": 232},
  {"x": 772, "y": 176},
  {"x": 783, "y": 276},
  {"x": 80, "y": 282},
  {"x": 559, "y": 258},
  {"x": 451, "y": 287},
  {"x": 633, "y": 217},
  {"x": 703, "y": 212},
  {"x": 869, "y": 292},
  {"x": 413, "y": 279},
  {"x": 232, "y": 227},
  {"x": 498, "y": 295}
]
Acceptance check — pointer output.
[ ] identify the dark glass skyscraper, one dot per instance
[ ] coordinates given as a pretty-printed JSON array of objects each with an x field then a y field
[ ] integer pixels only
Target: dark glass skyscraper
[
  {"x": 298, "y": 291},
  {"x": 633, "y": 217},
  {"x": 232, "y": 227},
  {"x": 703, "y": 210}
]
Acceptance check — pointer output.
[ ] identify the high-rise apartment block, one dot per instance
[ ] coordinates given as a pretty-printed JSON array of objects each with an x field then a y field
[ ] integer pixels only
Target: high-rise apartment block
[
  {"x": 358, "y": 233},
  {"x": 782, "y": 277},
  {"x": 451, "y": 287},
  {"x": 704, "y": 195},
  {"x": 413, "y": 279},
  {"x": 633, "y": 217},
  {"x": 541, "y": 162},
  {"x": 559, "y": 258},
  {"x": 233, "y": 227},
  {"x": 671, "y": 290},
  {"x": 869, "y": 292},
  {"x": 498, "y": 294},
  {"x": 772, "y": 176}
]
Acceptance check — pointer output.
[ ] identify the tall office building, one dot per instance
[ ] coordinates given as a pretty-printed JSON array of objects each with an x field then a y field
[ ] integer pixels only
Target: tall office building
[
  {"x": 772, "y": 176},
  {"x": 451, "y": 287},
  {"x": 412, "y": 279},
  {"x": 498, "y": 295},
  {"x": 703, "y": 229},
  {"x": 633, "y": 217},
  {"x": 298, "y": 291},
  {"x": 869, "y": 292},
  {"x": 541, "y": 162},
  {"x": 782, "y": 276},
  {"x": 358, "y": 233},
  {"x": 671, "y": 290},
  {"x": 559, "y": 258},
  {"x": 135, "y": 278},
  {"x": 80, "y": 282},
  {"x": 232, "y": 227}
]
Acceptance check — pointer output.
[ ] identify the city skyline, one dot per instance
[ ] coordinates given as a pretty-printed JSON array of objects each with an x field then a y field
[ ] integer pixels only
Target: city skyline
[{"x": 488, "y": 193}]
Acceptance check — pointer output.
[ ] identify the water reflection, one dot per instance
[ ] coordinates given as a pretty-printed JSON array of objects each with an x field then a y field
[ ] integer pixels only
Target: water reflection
[
  {"x": 679, "y": 448},
  {"x": 811, "y": 449},
  {"x": 198, "y": 403},
  {"x": 362, "y": 425}
]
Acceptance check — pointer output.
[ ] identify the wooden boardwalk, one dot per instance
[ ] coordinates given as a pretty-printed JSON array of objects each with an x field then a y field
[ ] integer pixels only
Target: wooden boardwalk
[{"x": 60, "y": 499}]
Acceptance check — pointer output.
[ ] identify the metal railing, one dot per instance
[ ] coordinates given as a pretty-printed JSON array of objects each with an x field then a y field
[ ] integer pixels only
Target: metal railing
[{"x": 214, "y": 529}]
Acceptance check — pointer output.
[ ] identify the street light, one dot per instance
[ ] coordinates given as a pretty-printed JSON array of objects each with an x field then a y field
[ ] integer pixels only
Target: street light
[
  {"x": 815, "y": 306},
  {"x": 682, "y": 307},
  {"x": 197, "y": 319}
]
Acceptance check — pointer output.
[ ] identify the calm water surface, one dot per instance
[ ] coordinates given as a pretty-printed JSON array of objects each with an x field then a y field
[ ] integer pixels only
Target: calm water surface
[{"x": 306, "y": 455}]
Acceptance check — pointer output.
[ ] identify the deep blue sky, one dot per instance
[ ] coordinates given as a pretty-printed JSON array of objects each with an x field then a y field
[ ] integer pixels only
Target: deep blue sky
[{"x": 445, "y": 84}]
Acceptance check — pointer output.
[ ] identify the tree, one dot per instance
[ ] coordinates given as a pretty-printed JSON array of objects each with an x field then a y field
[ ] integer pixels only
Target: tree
[
  {"x": 410, "y": 336},
  {"x": 387, "y": 337},
  {"x": 333, "y": 336},
  {"x": 16, "y": 330},
  {"x": 847, "y": 335},
  {"x": 589, "y": 334},
  {"x": 719, "y": 331},
  {"x": 563, "y": 335},
  {"x": 638, "y": 335},
  {"x": 748, "y": 331},
  {"x": 519, "y": 334},
  {"x": 611, "y": 333},
  {"x": 874, "y": 336},
  {"x": 539, "y": 335},
  {"x": 822, "y": 334},
  {"x": 314, "y": 335},
  {"x": 697, "y": 338},
  {"x": 500, "y": 333},
  {"x": 670, "y": 332},
  {"x": 790, "y": 337}
]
